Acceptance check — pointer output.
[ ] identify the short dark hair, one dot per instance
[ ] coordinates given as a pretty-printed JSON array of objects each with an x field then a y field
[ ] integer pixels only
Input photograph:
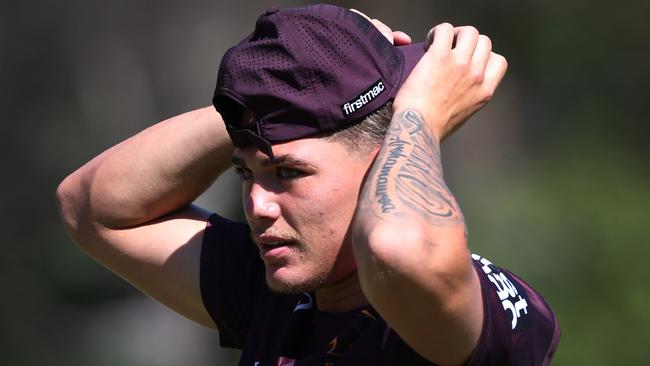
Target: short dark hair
[{"x": 362, "y": 137}]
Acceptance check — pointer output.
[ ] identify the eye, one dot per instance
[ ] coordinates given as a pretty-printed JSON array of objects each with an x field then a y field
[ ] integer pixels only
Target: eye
[
  {"x": 289, "y": 173},
  {"x": 243, "y": 173}
]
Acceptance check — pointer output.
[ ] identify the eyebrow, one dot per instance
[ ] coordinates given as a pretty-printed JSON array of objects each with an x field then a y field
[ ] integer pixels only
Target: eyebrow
[{"x": 279, "y": 160}]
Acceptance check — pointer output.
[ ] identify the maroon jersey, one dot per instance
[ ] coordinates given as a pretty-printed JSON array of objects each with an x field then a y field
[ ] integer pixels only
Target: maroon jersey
[{"x": 519, "y": 327}]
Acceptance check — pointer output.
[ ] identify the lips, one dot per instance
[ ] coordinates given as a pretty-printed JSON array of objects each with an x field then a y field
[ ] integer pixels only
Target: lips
[
  {"x": 273, "y": 247},
  {"x": 272, "y": 239},
  {"x": 275, "y": 250},
  {"x": 275, "y": 243}
]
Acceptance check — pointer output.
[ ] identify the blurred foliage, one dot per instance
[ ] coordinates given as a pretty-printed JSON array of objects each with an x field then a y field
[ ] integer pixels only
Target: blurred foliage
[{"x": 553, "y": 175}]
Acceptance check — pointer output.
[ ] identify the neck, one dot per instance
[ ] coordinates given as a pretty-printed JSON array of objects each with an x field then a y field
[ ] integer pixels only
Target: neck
[{"x": 341, "y": 296}]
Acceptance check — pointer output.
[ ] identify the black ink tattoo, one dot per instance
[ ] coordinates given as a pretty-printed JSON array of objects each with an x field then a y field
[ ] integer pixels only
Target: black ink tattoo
[
  {"x": 394, "y": 153},
  {"x": 408, "y": 175}
]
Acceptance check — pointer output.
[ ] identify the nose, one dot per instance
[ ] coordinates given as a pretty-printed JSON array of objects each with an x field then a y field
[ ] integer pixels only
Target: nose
[{"x": 261, "y": 203}]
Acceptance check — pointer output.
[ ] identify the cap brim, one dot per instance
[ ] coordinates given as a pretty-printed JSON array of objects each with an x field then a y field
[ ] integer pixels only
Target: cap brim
[{"x": 412, "y": 54}]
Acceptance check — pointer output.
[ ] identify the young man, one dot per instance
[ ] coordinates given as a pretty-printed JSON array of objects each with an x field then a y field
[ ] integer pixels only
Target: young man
[{"x": 354, "y": 252}]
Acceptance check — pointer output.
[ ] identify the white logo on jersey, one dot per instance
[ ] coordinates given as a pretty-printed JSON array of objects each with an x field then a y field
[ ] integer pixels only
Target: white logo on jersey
[
  {"x": 304, "y": 306},
  {"x": 506, "y": 291}
]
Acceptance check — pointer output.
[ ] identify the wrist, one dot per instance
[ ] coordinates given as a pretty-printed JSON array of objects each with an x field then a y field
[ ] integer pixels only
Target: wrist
[{"x": 432, "y": 124}]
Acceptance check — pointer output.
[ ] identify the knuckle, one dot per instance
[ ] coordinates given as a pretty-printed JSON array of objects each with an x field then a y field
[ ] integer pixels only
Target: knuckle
[
  {"x": 445, "y": 26},
  {"x": 485, "y": 40},
  {"x": 469, "y": 29},
  {"x": 477, "y": 75},
  {"x": 461, "y": 62},
  {"x": 502, "y": 60},
  {"x": 487, "y": 96}
]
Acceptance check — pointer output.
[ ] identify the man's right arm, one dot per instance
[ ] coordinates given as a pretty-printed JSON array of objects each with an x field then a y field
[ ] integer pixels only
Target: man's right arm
[{"x": 130, "y": 207}]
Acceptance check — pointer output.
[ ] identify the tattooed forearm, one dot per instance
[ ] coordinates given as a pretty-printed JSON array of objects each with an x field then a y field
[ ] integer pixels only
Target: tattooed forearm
[
  {"x": 407, "y": 177},
  {"x": 395, "y": 152}
]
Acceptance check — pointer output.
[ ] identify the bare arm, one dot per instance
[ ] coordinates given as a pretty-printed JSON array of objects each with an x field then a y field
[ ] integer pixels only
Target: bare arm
[
  {"x": 129, "y": 208},
  {"x": 409, "y": 233}
]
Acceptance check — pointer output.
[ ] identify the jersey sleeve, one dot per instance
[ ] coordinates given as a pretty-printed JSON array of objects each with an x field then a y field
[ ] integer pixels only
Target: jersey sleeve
[
  {"x": 230, "y": 274},
  {"x": 519, "y": 327}
]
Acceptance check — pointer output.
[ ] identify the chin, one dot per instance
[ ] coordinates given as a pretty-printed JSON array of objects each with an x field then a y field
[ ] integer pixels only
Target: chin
[{"x": 280, "y": 281}]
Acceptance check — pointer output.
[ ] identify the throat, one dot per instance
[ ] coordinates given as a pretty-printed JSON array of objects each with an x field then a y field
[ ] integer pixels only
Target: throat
[{"x": 341, "y": 296}]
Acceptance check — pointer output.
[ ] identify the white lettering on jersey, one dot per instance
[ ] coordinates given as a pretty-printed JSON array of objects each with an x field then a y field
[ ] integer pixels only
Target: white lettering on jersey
[{"x": 506, "y": 290}]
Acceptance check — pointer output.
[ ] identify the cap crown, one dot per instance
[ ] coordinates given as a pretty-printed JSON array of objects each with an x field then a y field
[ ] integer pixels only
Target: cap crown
[{"x": 305, "y": 71}]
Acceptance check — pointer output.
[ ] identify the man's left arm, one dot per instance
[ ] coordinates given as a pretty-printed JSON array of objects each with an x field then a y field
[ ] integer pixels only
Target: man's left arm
[{"x": 409, "y": 234}]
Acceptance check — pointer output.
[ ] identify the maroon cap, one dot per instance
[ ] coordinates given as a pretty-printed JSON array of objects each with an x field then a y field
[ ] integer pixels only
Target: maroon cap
[{"x": 307, "y": 71}]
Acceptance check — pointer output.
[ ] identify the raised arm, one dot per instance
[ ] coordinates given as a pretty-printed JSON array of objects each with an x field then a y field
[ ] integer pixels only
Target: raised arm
[
  {"x": 409, "y": 235},
  {"x": 130, "y": 207}
]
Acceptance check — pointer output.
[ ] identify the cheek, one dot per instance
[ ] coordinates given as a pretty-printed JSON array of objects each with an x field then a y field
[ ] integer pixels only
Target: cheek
[
  {"x": 335, "y": 212},
  {"x": 322, "y": 209}
]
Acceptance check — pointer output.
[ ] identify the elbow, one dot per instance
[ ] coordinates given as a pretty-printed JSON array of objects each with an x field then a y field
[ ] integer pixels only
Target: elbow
[
  {"x": 71, "y": 206},
  {"x": 393, "y": 258},
  {"x": 385, "y": 247},
  {"x": 383, "y": 255},
  {"x": 64, "y": 202}
]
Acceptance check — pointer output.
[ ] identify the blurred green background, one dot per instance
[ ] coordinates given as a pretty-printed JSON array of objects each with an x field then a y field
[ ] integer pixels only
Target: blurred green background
[{"x": 553, "y": 175}]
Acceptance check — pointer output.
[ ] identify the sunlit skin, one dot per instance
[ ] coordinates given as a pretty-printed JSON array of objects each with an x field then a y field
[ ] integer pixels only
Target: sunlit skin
[{"x": 305, "y": 199}]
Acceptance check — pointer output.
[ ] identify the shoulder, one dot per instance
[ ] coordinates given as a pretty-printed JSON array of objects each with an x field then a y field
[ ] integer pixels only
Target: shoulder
[
  {"x": 217, "y": 224},
  {"x": 225, "y": 242},
  {"x": 225, "y": 237},
  {"x": 231, "y": 277}
]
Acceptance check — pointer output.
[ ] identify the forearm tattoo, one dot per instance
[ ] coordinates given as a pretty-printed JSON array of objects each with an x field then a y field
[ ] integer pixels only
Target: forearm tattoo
[{"x": 407, "y": 177}]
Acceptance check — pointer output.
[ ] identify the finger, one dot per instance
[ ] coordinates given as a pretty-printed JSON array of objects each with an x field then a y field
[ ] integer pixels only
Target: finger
[
  {"x": 401, "y": 39},
  {"x": 466, "y": 40},
  {"x": 360, "y": 13},
  {"x": 494, "y": 72},
  {"x": 482, "y": 52},
  {"x": 383, "y": 28},
  {"x": 440, "y": 37}
]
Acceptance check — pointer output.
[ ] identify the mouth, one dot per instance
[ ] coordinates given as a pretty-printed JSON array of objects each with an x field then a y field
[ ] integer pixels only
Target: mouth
[
  {"x": 275, "y": 249},
  {"x": 270, "y": 245}
]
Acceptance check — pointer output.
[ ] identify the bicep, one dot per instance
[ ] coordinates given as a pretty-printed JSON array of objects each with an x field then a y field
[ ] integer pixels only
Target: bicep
[
  {"x": 442, "y": 324},
  {"x": 161, "y": 258},
  {"x": 429, "y": 293}
]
